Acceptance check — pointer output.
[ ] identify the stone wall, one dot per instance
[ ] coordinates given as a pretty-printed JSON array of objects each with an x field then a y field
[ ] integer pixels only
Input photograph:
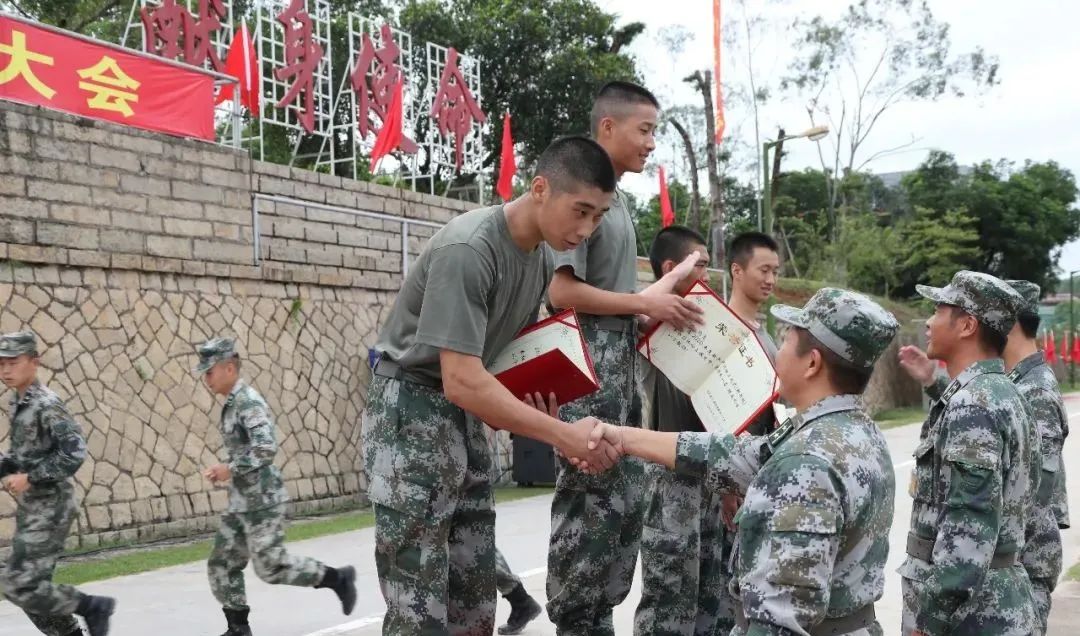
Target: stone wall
[{"x": 122, "y": 249}]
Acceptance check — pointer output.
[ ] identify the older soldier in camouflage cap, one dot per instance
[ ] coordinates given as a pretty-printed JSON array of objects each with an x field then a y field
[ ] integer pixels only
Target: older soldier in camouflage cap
[
  {"x": 975, "y": 469},
  {"x": 47, "y": 448},
  {"x": 813, "y": 528},
  {"x": 254, "y": 524}
]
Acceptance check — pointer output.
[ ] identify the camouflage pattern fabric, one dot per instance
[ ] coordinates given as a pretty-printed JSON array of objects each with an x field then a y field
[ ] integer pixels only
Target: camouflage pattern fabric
[
  {"x": 19, "y": 343},
  {"x": 596, "y": 519},
  {"x": 214, "y": 351},
  {"x": 851, "y": 325},
  {"x": 973, "y": 476},
  {"x": 684, "y": 574},
  {"x": 505, "y": 579},
  {"x": 989, "y": 299},
  {"x": 248, "y": 432},
  {"x": 1042, "y": 547},
  {"x": 46, "y": 444},
  {"x": 813, "y": 528},
  {"x": 1029, "y": 292},
  {"x": 258, "y": 536},
  {"x": 430, "y": 485}
]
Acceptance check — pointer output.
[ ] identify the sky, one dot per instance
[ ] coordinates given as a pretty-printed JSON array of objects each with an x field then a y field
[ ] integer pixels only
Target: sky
[{"x": 1031, "y": 114}]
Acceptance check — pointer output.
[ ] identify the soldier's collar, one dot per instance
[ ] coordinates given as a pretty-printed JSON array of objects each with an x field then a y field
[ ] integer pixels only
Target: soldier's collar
[
  {"x": 818, "y": 410},
  {"x": 1025, "y": 366},
  {"x": 31, "y": 391},
  {"x": 235, "y": 391},
  {"x": 982, "y": 367}
]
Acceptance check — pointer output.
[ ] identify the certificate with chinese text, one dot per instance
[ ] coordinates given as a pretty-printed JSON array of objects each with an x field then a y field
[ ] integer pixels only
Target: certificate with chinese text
[
  {"x": 721, "y": 365},
  {"x": 548, "y": 357}
]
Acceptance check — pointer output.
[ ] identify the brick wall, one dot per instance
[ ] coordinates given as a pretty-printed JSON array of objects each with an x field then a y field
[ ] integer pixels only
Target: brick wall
[{"x": 122, "y": 248}]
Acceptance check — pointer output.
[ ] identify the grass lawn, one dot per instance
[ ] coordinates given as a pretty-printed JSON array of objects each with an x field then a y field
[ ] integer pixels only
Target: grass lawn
[
  {"x": 76, "y": 569},
  {"x": 1073, "y": 574},
  {"x": 899, "y": 417}
]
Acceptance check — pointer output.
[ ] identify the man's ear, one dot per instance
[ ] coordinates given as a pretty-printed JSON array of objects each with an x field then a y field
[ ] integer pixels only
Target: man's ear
[{"x": 816, "y": 365}]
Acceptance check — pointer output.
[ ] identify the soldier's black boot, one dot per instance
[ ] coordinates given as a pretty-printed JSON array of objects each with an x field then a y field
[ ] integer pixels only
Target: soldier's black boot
[
  {"x": 523, "y": 608},
  {"x": 96, "y": 611},
  {"x": 237, "y": 621},
  {"x": 343, "y": 582}
]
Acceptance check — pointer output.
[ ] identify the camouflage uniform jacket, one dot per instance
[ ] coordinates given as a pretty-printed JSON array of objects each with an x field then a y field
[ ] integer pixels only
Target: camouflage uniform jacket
[
  {"x": 975, "y": 467},
  {"x": 46, "y": 442},
  {"x": 814, "y": 527},
  {"x": 248, "y": 432},
  {"x": 1039, "y": 387}
]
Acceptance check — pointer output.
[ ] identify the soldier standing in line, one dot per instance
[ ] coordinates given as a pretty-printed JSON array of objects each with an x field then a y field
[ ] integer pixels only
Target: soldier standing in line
[
  {"x": 47, "y": 448},
  {"x": 591, "y": 564},
  {"x": 1027, "y": 368},
  {"x": 253, "y": 527},
  {"x": 523, "y": 607},
  {"x": 813, "y": 530},
  {"x": 974, "y": 478}
]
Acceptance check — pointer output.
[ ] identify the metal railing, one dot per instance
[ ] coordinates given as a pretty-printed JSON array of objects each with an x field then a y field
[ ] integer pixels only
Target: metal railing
[{"x": 404, "y": 222}]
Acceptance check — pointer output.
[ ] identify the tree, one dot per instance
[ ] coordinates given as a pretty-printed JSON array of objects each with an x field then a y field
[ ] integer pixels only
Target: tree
[
  {"x": 938, "y": 245},
  {"x": 103, "y": 19},
  {"x": 877, "y": 54},
  {"x": 1023, "y": 216}
]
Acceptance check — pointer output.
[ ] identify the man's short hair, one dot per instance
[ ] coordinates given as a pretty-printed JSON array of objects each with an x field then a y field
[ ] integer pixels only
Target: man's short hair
[
  {"x": 570, "y": 162},
  {"x": 672, "y": 243},
  {"x": 845, "y": 377},
  {"x": 990, "y": 339},
  {"x": 743, "y": 246},
  {"x": 613, "y": 99},
  {"x": 1029, "y": 322}
]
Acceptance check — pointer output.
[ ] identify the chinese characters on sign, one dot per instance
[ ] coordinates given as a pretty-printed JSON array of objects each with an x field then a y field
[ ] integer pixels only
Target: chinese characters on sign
[
  {"x": 375, "y": 75},
  {"x": 170, "y": 30},
  {"x": 302, "y": 57},
  {"x": 455, "y": 109},
  {"x": 45, "y": 67}
]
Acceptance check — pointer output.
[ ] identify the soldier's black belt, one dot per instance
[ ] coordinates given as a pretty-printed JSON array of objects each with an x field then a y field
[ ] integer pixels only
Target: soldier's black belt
[
  {"x": 390, "y": 369},
  {"x": 859, "y": 619},
  {"x": 621, "y": 324},
  {"x": 923, "y": 549}
]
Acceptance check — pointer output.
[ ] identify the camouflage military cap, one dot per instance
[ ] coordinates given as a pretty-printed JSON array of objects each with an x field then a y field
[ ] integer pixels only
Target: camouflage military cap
[
  {"x": 851, "y": 325},
  {"x": 988, "y": 298},
  {"x": 1030, "y": 292},
  {"x": 13, "y": 345},
  {"x": 214, "y": 351}
]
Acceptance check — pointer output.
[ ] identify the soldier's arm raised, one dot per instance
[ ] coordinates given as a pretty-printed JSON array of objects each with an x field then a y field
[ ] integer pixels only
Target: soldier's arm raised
[
  {"x": 69, "y": 446},
  {"x": 970, "y": 519},
  {"x": 791, "y": 553},
  {"x": 262, "y": 447}
]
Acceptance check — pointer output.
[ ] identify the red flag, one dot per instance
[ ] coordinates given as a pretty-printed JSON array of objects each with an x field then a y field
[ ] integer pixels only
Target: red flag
[
  {"x": 717, "y": 29},
  {"x": 1075, "y": 355},
  {"x": 1064, "y": 347},
  {"x": 389, "y": 137},
  {"x": 507, "y": 166},
  {"x": 667, "y": 215},
  {"x": 1049, "y": 350},
  {"x": 243, "y": 64}
]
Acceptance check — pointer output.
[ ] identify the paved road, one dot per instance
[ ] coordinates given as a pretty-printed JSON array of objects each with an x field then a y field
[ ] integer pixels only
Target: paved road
[{"x": 176, "y": 601}]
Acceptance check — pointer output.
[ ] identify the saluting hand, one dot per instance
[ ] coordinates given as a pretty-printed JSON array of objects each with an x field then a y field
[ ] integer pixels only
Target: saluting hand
[{"x": 917, "y": 365}]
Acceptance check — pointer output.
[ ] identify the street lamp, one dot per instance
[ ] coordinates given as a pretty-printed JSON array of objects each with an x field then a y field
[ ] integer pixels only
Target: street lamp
[{"x": 816, "y": 133}]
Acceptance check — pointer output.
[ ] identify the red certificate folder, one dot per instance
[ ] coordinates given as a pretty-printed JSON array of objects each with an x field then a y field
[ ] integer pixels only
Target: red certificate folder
[{"x": 548, "y": 357}]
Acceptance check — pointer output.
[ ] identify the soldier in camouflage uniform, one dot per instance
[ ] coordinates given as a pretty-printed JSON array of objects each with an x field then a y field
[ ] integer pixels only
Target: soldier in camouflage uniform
[
  {"x": 684, "y": 580},
  {"x": 976, "y": 471},
  {"x": 596, "y": 520},
  {"x": 47, "y": 448},
  {"x": 1027, "y": 368},
  {"x": 813, "y": 529},
  {"x": 253, "y": 527},
  {"x": 478, "y": 282}
]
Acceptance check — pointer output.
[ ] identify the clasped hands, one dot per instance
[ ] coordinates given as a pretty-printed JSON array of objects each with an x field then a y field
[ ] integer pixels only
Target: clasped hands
[{"x": 588, "y": 444}]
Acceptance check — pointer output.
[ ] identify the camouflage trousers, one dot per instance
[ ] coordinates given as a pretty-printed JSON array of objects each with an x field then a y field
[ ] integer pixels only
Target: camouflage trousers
[
  {"x": 430, "y": 485},
  {"x": 596, "y": 520},
  {"x": 505, "y": 579},
  {"x": 42, "y": 521},
  {"x": 1040, "y": 597},
  {"x": 258, "y": 536},
  {"x": 1000, "y": 607},
  {"x": 684, "y": 547}
]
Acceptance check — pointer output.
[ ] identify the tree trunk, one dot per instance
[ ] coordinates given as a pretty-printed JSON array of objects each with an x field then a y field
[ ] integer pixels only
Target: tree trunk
[
  {"x": 774, "y": 180},
  {"x": 703, "y": 82},
  {"x": 695, "y": 188}
]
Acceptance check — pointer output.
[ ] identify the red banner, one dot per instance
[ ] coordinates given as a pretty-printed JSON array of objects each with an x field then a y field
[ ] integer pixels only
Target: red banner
[{"x": 64, "y": 72}]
